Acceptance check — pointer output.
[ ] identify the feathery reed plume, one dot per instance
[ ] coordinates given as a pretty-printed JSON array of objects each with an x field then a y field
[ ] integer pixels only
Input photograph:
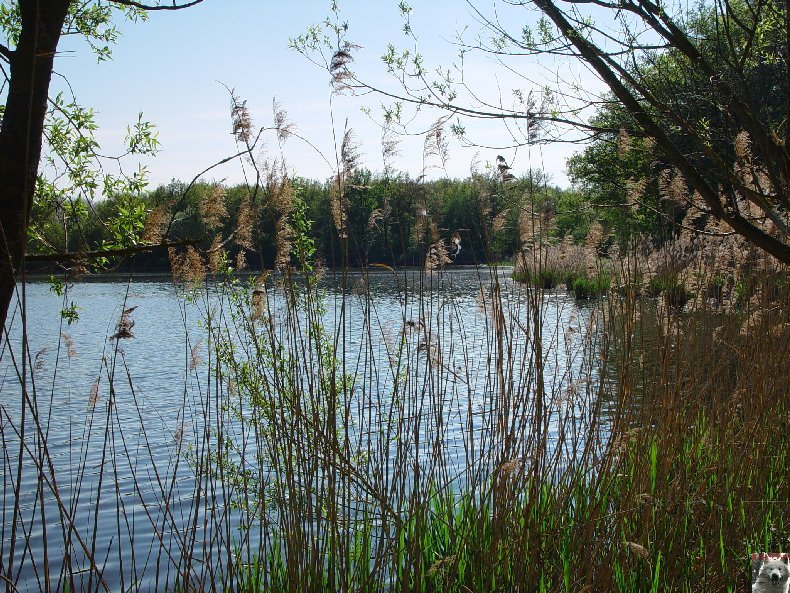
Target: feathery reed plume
[
  {"x": 340, "y": 59},
  {"x": 672, "y": 187},
  {"x": 155, "y": 224},
  {"x": 637, "y": 549},
  {"x": 375, "y": 215},
  {"x": 241, "y": 119},
  {"x": 528, "y": 229},
  {"x": 241, "y": 260},
  {"x": 279, "y": 188},
  {"x": 511, "y": 467},
  {"x": 71, "y": 351},
  {"x": 246, "y": 220},
  {"x": 475, "y": 166},
  {"x": 566, "y": 246},
  {"x": 187, "y": 267},
  {"x": 635, "y": 189},
  {"x": 422, "y": 221},
  {"x": 123, "y": 330},
  {"x": 349, "y": 152},
  {"x": 212, "y": 207},
  {"x": 743, "y": 146},
  {"x": 529, "y": 105},
  {"x": 339, "y": 67},
  {"x": 258, "y": 302},
  {"x": 482, "y": 196},
  {"x": 216, "y": 255},
  {"x": 620, "y": 443},
  {"x": 754, "y": 178},
  {"x": 93, "y": 396},
  {"x": 283, "y": 244},
  {"x": 178, "y": 435},
  {"x": 80, "y": 267},
  {"x": 337, "y": 207},
  {"x": 436, "y": 143},
  {"x": 39, "y": 362},
  {"x": 678, "y": 189},
  {"x": 502, "y": 166},
  {"x": 437, "y": 256},
  {"x": 389, "y": 149},
  {"x": 349, "y": 160},
  {"x": 283, "y": 126},
  {"x": 592, "y": 244},
  {"x": 498, "y": 224},
  {"x": 442, "y": 566},
  {"x": 503, "y": 169},
  {"x": 195, "y": 358}
]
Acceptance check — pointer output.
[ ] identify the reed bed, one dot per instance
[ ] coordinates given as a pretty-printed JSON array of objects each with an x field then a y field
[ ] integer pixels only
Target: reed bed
[{"x": 327, "y": 445}]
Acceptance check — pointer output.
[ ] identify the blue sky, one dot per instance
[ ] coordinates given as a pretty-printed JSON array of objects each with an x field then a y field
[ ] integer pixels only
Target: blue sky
[{"x": 173, "y": 68}]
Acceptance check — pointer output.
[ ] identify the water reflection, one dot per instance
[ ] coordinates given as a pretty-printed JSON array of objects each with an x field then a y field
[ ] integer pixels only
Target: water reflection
[{"x": 122, "y": 417}]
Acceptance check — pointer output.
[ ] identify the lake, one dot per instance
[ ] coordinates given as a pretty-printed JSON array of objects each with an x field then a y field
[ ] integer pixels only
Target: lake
[{"x": 111, "y": 429}]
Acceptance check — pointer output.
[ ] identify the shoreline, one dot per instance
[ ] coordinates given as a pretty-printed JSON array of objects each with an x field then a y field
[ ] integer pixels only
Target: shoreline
[{"x": 159, "y": 275}]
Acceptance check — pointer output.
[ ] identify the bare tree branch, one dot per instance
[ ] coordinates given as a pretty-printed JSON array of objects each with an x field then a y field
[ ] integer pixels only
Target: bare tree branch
[
  {"x": 143, "y": 6},
  {"x": 661, "y": 23},
  {"x": 87, "y": 255}
]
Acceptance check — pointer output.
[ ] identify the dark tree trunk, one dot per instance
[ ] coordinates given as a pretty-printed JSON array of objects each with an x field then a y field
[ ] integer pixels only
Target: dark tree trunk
[{"x": 22, "y": 129}]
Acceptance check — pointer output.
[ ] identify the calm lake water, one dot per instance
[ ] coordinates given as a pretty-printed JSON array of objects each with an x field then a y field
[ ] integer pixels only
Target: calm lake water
[{"x": 116, "y": 461}]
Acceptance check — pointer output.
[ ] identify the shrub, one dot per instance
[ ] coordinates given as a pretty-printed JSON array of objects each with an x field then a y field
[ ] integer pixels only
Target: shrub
[
  {"x": 585, "y": 287},
  {"x": 545, "y": 278},
  {"x": 551, "y": 266},
  {"x": 674, "y": 291}
]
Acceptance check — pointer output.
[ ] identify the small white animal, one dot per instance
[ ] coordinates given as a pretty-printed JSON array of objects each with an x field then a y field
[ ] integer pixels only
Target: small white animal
[
  {"x": 456, "y": 240},
  {"x": 771, "y": 573}
]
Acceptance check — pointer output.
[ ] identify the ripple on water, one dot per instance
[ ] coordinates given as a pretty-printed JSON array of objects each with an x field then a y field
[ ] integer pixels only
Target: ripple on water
[{"x": 112, "y": 463}]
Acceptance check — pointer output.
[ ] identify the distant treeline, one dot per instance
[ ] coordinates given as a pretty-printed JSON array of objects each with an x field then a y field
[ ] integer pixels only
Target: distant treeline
[
  {"x": 389, "y": 220},
  {"x": 393, "y": 220}
]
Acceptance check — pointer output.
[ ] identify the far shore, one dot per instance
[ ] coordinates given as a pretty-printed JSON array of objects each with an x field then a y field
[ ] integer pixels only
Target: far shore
[{"x": 163, "y": 275}]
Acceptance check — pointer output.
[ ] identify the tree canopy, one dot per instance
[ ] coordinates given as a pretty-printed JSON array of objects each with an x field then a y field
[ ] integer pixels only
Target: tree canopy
[
  {"x": 30, "y": 32},
  {"x": 701, "y": 91},
  {"x": 713, "y": 98}
]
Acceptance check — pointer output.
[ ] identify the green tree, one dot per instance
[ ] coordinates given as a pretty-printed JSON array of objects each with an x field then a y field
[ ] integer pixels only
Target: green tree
[
  {"x": 712, "y": 95},
  {"x": 707, "y": 85},
  {"x": 616, "y": 179},
  {"x": 32, "y": 30}
]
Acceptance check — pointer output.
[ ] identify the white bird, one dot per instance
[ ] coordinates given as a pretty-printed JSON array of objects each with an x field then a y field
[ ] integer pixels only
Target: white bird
[{"x": 456, "y": 241}]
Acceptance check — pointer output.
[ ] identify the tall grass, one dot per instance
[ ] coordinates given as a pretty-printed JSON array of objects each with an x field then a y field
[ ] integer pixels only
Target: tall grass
[
  {"x": 654, "y": 462},
  {"x": 334, "y": 436},
  {"x": 632, "y": 449}
]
